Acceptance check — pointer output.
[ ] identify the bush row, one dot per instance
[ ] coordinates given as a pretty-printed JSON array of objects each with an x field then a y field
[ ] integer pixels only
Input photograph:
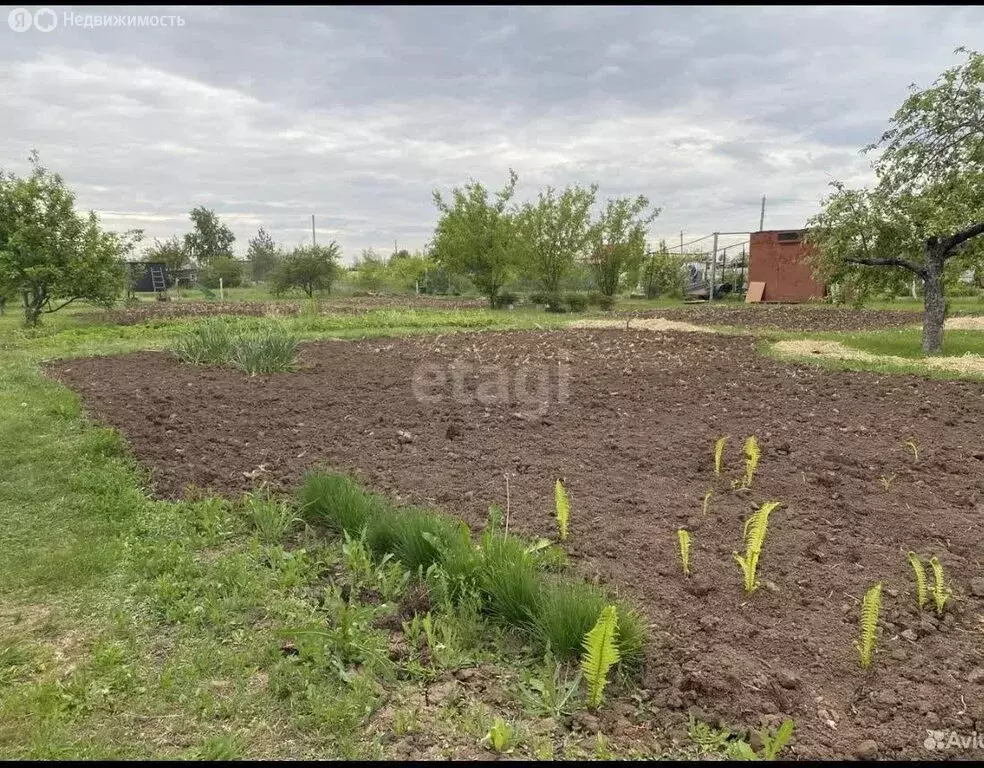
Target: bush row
[{"x": 517, "y": 584}]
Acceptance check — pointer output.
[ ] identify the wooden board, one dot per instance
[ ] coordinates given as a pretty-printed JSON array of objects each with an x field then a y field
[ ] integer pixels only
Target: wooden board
[{"x": 755, "y": 293}]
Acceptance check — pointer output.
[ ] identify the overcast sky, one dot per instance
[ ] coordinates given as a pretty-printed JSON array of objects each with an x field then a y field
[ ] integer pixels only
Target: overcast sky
[{"x": 270, "y": 114}]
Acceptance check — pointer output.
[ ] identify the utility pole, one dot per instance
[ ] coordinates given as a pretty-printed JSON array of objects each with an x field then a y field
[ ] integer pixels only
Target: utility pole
[
  {"x": 714, "y": 258},
  {"x": 681, "y": 241},
  {"x": 313, "y": 241},
  {"x": 762, "y": 216}
]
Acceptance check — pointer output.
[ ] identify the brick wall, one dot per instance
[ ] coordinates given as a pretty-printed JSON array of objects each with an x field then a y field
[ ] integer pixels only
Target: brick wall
[{"x": 782, "y": 267}]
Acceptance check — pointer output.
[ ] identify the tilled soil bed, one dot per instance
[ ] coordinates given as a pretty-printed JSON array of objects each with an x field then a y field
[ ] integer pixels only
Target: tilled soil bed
[
  {"x": 787, "y": 317},
  {"x": 630, "y": 425}
]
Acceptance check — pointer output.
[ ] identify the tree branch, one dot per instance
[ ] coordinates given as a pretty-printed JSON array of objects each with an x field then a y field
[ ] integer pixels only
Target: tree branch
[
  {"x": 65, "y": 304},
  {"x": 950, "y": 245},
  {"x": 904, "y": 263}
]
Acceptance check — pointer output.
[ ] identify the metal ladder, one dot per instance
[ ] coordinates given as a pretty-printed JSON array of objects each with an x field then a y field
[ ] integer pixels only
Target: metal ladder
[{"x": 157, "y": 279}]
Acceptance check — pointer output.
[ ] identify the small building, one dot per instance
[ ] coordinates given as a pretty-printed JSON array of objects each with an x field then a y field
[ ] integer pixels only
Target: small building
[
  {"x": 779, "y": 260},
  {"x": 148, "y": 276}
]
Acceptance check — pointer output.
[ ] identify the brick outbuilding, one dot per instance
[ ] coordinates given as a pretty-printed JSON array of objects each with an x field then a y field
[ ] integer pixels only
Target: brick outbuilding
[{"x": 778, "y": 258}]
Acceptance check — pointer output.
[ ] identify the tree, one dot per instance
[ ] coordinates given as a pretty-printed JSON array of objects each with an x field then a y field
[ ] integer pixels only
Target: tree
[
  {"x": 556, "y": 231},
  {"x": 370, "y": 271},
  {"x": 225, "y": 268},
  {"x": 409, "y": 271},
  {"x": 663, "y": 274},
  {"x": 926, "y": 213},
  {"x": 171, "y": 252},
  {"x": 310, "y": 268},
  {"x": 209, "y": 238},
  {"x": 476, "y": 236},
  {"x": 50, "y": 255},
  {"x": 619, "y": 241},
  {"x": 263, "y": 255}
]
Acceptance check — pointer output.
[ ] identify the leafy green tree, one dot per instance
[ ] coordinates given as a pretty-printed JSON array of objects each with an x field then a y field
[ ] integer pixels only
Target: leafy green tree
[
  {"x": 925, "y": 216},
  {"x": 556, "y": 232},
  {"x": 371, "y": 273},
  {"x": 476, "y": 237},
  {"x": 663, "y": 274},
  {"x": 171, "y": 252},
  {"x": 263, "y": 255},
  {"x": 619, "y": 241},
  {"x": 209, "y": 238},
  {"x": 409, "y": 271},
  {"x": 225, "y": 268},
  {"x": 309, "y": 268},
  {"x": 50, "y": 255}
]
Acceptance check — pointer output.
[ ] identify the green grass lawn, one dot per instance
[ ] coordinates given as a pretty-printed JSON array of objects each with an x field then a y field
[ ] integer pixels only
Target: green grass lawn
[{"x": 907, "y": 342}]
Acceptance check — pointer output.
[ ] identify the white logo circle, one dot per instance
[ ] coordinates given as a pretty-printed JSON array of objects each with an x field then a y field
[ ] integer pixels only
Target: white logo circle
[
  {"x": 45, "y": 19},
  {"x": 20, "y": 19},
  {"x": 930, "y": 743}
]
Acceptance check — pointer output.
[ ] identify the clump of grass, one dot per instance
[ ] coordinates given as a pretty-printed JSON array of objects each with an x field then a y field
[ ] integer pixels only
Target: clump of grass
[
  {"x": 206, "y": 343},
  {"x": 416, "y": 537},
  {"x": 509, "y": 582},
  {"x": 267, "y": 348},
  {"x": 338, "y": 502},
  {"x": 270, "y": 517}
]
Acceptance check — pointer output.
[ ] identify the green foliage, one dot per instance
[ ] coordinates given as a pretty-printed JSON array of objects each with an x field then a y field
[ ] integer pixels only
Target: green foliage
[
  {"x": 266, "y": 348},
  {"x": 719, "y": 447},
  {"x": 551, "y": 692},
  {"x": 683, "y": 536},
  {"x": 338, "y": 502},
  {"x": 50, "y": 255},
  {"x": 754, "y": 535},
  {"x": 922, "y": 594},
  {"x": 663, "y": 274},
  {"x": 225, "y": 268},
  {"x": 601, "y": 653},
  {"x": 209, "y": 237},
  {"x": 263, "y": 255},
  {"x": 618, "y": 241},
  {"x": 271, "y": 518},
  {"x": 556, "y": 233},
  {"x": 772, "y": 744},
  {"x": 501, "y": 737},
  {"x": 940, "y": 592},
  {"x": 476, "y": 237},
  {"x": 310, "y": 268},
  {"x": 576, "y": 302},
  {"x": 563, "y": 510},
  {"x": 171, "y": 252},
  {"x": 870, "y": 607},
  {"x": 752, "y": 455}
]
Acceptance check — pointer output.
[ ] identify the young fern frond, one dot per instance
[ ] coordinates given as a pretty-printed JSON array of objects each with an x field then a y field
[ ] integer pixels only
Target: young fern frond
[
  {"x": 870, "y": 607},
  {"x": 917, "y": 567},
  {"x": 754, "y": 535},
  {"x": 707, "y": 502},
  {"x": 719, "y": 454},
  {"x": 940, "y": 593},
  {"x": 563, "y": 510},
  {"x": 684, "y": 536},
  {"x": 911, "y": 445},
  {"x": 600, "y": 654},
  {"x": 752, "y": 455}
]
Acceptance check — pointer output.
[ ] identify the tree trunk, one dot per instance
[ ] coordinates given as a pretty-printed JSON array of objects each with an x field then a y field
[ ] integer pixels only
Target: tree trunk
[{"x": 934, "y": 313}]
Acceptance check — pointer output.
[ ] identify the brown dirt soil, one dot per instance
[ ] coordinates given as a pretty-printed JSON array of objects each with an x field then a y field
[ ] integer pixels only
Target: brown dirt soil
[
  {"x": 165, "y": 310},
  {"x": 633, "y": 442},
  {"x": 788, "y": 317}
]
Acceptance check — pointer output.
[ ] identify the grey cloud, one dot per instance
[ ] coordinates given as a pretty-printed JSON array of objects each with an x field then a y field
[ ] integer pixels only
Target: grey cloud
[{"x": 358, "y": 113}]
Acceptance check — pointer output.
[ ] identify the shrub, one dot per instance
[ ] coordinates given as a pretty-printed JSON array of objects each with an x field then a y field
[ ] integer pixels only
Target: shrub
[
  {"x": 504, "y": 299},
  {"x": 538, "y": 297},
  {"x": 576, "y": 302},
  {"x": 554, "y": 302},
  {"x": 225, "y": 267}
]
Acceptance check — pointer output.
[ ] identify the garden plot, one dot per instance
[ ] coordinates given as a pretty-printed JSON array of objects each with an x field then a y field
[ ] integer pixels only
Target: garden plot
[{"x": 866, "y": 469}]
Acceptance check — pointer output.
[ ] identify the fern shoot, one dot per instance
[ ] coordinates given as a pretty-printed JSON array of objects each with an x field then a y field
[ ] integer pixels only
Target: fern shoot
[
  {"x": 911, "y": 445},
  {"x": 600, "y": 654},
  {"x": 870, "y": 607},
  {"x": 563, "y": 510},
  {"x": 719, "y": 454},
  {"x": 752, "y": 455},
  {"x": 917, "y": 568},
  {"x": 754, "y": 535},
  {"x": 684, "y": 536},
  {"x": 707, "y": 502},
  {"x": 940, "y": 593}
]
